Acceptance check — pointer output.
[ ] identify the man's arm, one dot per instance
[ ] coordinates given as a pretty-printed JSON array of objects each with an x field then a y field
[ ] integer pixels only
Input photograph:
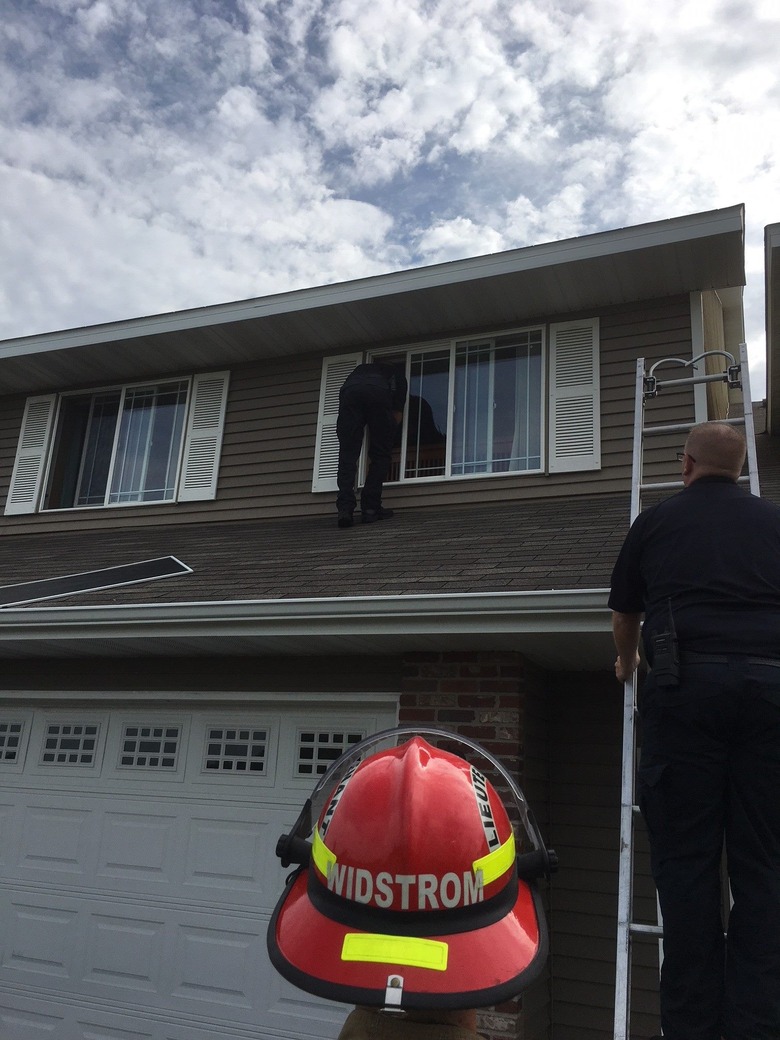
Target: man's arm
[{"x": 625, "y": 630}]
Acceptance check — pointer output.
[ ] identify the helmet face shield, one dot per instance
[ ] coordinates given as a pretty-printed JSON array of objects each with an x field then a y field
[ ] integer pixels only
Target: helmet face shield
[{"x": 408, "y": 894}]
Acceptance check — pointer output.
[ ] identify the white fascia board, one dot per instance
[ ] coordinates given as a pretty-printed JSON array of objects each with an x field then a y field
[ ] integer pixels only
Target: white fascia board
[
  {"x": 604, "y": 243},
  {"x": 552, "y": 611}
]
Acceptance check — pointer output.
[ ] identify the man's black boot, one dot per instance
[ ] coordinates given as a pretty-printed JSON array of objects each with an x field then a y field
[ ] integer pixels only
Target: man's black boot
[
  {"x": 345, "y": 518},
  {"x": 370, "y": 516}
]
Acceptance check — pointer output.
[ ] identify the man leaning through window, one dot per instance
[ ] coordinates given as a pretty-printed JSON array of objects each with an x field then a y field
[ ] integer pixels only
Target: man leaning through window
[{"x": 373, "y": 396}]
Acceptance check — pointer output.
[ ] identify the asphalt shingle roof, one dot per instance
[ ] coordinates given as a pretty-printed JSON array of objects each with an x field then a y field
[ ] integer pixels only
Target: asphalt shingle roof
[
  {"x": 538, "y": 545},
  {"x": 532, "y": 546}
]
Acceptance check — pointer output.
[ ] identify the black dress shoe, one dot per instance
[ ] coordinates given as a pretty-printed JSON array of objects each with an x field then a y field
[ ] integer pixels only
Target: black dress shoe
[
  {"x": 345, "y": 518},
  {"x": 370, "y": 516}
]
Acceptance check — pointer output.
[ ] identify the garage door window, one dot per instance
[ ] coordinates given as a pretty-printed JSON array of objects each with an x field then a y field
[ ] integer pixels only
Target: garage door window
[
  {"x": 150, "y": 747},
  {"x": 235, "y": 750},
  {"x": 11, "y": 734},
  {"x": 70, "y": 744},
  {"x": 317, "y": 749}
]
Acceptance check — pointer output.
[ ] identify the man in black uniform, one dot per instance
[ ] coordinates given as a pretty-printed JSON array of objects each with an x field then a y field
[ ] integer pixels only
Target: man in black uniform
[
  {"x": 705, "y": 565},
  {"x": 372, "y": 396}
]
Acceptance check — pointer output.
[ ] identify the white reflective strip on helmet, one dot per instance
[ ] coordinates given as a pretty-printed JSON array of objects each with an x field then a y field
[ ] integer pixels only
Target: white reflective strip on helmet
[
  {"x": 395, "y": 949},
  {"x": 496, "y": 863}
]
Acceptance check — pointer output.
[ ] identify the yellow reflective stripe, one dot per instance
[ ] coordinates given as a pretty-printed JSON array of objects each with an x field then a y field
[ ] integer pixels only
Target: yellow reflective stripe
[
  {"x": 395, "y": 949},
  {"x": 496, "y": 862},
  {"x": 323, "y": 858}
]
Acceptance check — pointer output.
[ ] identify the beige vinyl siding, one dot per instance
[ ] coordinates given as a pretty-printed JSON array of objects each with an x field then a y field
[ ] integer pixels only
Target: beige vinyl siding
[
  {"x": 586, "y": 742},
  {"x": 271, "y": 424}
]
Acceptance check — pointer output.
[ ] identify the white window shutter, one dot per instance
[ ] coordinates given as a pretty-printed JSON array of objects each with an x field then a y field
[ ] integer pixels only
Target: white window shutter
[
  {"x": 203, "y": 441},
  {"x": 326, "y": 450},
  {"x": 31, "y": 455},
  {"x": 575, "y": 411}
]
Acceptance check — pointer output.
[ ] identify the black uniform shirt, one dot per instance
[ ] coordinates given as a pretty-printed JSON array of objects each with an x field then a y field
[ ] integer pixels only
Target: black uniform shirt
[{"x": 713, "y": 551}]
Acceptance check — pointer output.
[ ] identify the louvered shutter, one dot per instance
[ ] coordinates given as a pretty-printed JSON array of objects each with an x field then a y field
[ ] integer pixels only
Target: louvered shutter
[
  {"x": 326, "y": 450},
  {"x": 31, "y": 455},
  {"x": 203, "y": 442},
  {"x": 574, "y": 414}
]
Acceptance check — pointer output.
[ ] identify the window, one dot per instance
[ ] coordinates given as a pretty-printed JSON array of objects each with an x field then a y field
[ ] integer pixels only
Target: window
[
  {"x": 118, "y": 446},
  {"x": 127, "y": 445},
  {"x": 70, "y": 745},
  {"x": 149, "y": 747},
  {"x": 318, "y": 749},
  {"x": 506, "y": 403},
  {"x": 475, "y": 407},
  {"x": 237, "y": 749}
]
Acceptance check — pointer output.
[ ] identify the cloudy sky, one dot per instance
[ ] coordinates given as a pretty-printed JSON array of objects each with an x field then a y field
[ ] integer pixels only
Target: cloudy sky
[{"x": 165, "y": 154}]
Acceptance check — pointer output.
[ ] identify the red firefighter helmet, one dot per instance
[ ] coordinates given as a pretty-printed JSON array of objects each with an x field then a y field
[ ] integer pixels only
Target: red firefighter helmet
[{"x": 409, "y": 894}]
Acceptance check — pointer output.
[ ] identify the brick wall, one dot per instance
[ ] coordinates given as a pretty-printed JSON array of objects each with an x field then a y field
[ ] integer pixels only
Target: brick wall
[{"x": 483, "y": 696}]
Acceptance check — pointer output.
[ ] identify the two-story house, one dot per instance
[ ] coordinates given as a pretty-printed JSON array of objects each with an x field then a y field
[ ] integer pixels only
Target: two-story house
[{"x": 188, "y": 639}]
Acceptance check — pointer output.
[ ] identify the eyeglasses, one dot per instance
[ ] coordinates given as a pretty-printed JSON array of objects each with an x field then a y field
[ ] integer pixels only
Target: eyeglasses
[{"x": 681, "y": 455}]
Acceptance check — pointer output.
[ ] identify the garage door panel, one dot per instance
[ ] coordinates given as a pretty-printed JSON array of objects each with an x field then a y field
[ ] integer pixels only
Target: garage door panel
[
  {"x": 28, "y": 1022},
  {"x": 57, "y": 839},
  {"x": 137, "y": 849},
  {"x": 205, "y": 851},
  {"x": 124, "y": 952},
  {"x": 40, "y": 940}
]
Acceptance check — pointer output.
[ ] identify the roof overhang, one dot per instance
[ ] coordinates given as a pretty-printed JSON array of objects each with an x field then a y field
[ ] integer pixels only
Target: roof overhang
[
  {"x": 559, "y": 630},
  {"x": 772, "y": 297},
  {"x": 579, "y": 275}
]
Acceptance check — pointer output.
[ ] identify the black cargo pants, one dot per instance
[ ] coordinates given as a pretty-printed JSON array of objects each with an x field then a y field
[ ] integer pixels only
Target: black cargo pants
[
  {"x": 361, "y": 406},
  {"x": 709, "y": 772}
]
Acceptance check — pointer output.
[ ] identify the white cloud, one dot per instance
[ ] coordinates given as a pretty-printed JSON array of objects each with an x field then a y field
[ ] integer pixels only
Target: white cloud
[{"x": 159, "y": 156}]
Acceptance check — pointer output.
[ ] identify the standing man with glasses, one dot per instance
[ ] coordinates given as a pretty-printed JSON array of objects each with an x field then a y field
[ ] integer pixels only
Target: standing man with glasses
[{"x": 703, "y": 568}]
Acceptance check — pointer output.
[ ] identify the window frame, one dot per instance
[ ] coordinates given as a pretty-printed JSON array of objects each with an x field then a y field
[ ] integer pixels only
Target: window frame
[{"x": 123, "y": 390}]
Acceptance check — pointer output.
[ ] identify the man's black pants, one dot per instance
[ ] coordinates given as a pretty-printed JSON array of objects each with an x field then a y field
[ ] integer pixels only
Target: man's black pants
[
  {"x": 709, "y": 772},
  {"x": 364, "y": 405}
]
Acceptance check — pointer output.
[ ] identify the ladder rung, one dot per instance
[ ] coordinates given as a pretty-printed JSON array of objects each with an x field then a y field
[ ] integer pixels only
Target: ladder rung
[
  {"x": 665, "y": 485},
  {"x": 682, "y": 427},
  {"x": 715, "y": 377},
  {"x": 661, "y": 486},
  {"x": 646, "y": 929}
]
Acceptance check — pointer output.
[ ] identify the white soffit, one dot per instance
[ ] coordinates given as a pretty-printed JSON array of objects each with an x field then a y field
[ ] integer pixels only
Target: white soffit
[{"x": 702, "y": 251}]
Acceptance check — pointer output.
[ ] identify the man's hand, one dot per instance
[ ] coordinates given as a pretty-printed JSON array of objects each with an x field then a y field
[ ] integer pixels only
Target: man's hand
[
  {"x": 625, "y": 669},
  {"x": 625, "y": 630}
]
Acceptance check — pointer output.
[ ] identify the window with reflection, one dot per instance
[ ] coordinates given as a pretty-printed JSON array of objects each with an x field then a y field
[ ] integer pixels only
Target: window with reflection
[{"x": 474, "y": 407}]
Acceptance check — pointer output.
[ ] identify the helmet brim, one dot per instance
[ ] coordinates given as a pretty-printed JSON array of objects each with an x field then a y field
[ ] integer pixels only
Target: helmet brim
[{"x": 484, "y": 965}]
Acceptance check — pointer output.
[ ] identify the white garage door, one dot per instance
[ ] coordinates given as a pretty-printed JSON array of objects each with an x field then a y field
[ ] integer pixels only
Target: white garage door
[{"x": 138, "y": 874}]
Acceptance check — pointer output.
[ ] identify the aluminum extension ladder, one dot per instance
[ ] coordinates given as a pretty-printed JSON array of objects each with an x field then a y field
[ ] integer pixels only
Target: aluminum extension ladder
[{"x": 648, "y": 386}]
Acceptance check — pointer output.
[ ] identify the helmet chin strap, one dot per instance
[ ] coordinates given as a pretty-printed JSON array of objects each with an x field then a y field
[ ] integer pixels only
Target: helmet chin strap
[{"x": 394, "y": 992}]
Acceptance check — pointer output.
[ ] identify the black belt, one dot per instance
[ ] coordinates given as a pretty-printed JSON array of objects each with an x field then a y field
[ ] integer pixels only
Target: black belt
[{"x": 690, "y": 657}]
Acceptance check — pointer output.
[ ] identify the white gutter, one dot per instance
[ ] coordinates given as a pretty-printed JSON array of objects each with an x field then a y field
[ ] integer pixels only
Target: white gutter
[{"x": 557, "y": 610}]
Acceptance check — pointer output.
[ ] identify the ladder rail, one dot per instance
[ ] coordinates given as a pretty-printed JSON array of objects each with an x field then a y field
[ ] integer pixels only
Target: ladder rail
[{"x": 737, "y": 376}]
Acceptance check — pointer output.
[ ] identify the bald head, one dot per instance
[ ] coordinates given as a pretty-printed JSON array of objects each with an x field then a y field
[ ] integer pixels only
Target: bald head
[{"x": 716, "y": 449}]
